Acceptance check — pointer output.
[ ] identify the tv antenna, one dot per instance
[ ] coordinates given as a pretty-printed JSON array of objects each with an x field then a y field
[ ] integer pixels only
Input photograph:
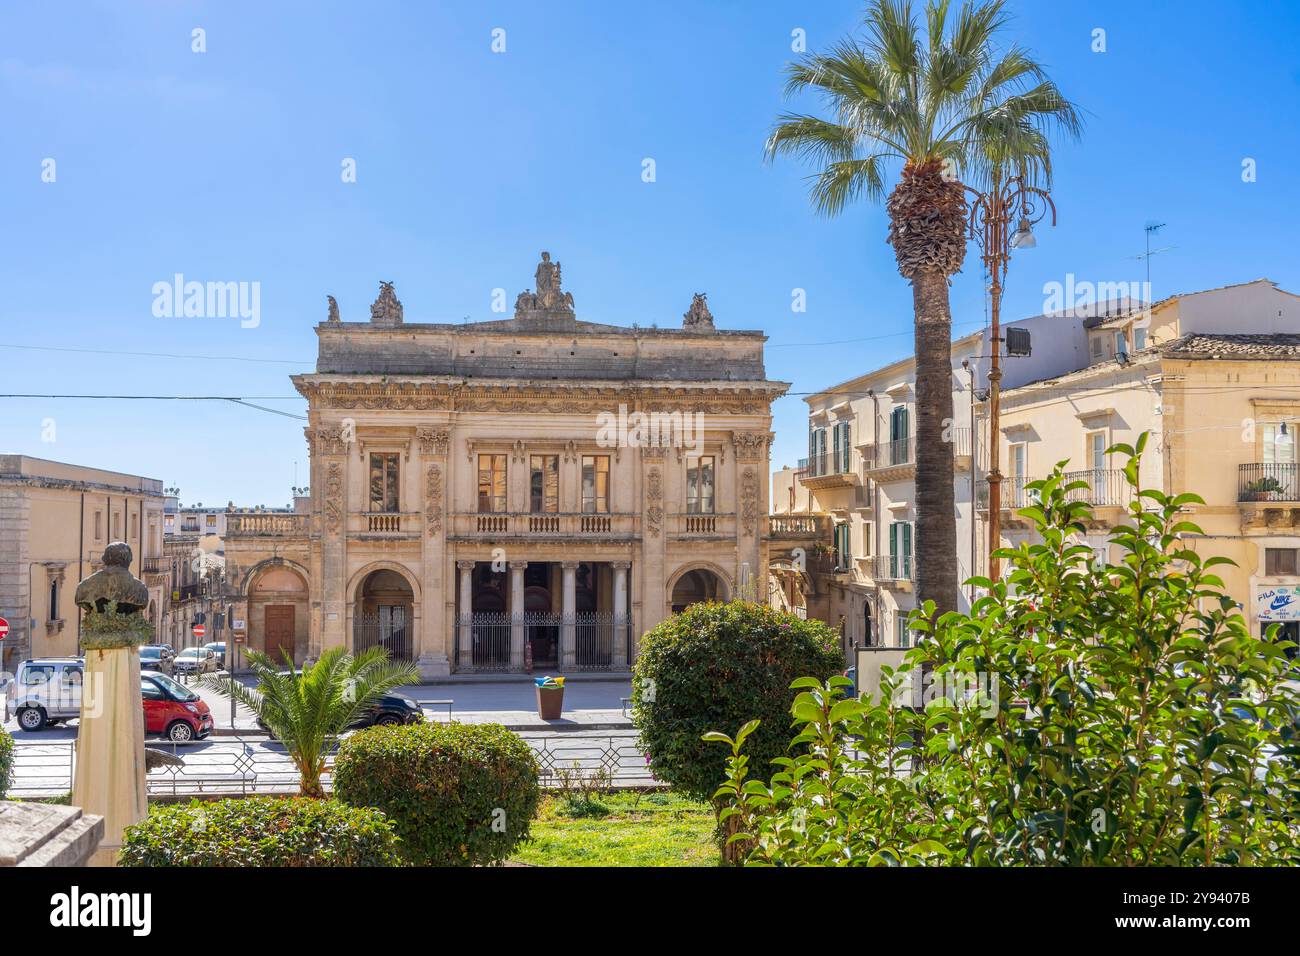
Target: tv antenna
[{"x": 1151, "y": 228}]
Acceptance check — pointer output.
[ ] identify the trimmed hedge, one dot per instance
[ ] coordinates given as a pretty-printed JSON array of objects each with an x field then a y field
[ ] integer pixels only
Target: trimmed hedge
[
  {"x": 261, "y": 831},
  {"x": 459, "y": 794},
  {"x": 6, "y": 762},
  {"x": 716, "y": 667}
]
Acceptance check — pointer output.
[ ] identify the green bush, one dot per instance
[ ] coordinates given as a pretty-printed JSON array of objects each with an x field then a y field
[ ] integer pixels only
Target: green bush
[
  {"x": 6, "y": 762},
  {"x": 459, "y": 794},
  {"x": 1082, "y": 714},
  {"x": 261, "y": 831},
  {"x": 713, "y": 667}
]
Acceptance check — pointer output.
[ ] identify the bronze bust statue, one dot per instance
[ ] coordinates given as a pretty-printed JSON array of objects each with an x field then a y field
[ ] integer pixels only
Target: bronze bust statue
[{"x": 113, "y": 583}]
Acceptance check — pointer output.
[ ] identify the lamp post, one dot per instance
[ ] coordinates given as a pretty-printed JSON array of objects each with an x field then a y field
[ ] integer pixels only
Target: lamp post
[{"x": 990, "y": 226}]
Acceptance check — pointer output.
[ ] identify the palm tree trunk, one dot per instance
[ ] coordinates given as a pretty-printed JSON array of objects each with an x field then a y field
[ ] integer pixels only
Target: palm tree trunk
[{"x": 936, "y": 508}]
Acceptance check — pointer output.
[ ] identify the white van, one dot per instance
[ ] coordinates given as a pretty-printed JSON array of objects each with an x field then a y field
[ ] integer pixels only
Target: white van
[{"x": 45, "y": 691}]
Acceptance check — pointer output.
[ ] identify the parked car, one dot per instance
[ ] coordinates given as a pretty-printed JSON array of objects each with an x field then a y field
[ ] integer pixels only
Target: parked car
[
  {"x": 45, "y": 691},
  {"x": 194, "y": 660},
  {"x": 173, "y": 710},
  {"x": 154, "y": 657},
  {"x": 387, "y": 711},
  {"x": 48, "y": 690},
  {"x": 219, "y": 649}
]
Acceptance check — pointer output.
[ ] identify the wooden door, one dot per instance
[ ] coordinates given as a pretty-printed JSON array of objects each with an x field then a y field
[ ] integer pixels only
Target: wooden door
[{"x": 279, "y": 632}]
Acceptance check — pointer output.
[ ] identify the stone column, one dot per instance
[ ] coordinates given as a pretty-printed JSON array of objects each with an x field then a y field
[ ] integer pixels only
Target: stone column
[
  {"x": 568, "y": 656},
  {"x": 330, "y": 465},
  {"x": 434, "y": 658},
  {"x": 619, "y": 660},
  {"x": 517, "y": 614},
  {"x": 466, "y": 569}
]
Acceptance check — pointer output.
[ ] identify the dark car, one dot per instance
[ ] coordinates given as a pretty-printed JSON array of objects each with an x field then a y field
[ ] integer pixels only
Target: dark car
[
  {"x": 389, "y": 710},
  {"x": 154, "y": 657}
]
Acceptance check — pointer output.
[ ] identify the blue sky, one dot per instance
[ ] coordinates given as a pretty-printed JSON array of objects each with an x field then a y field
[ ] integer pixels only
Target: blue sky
[{"x": 225, "y": 166}]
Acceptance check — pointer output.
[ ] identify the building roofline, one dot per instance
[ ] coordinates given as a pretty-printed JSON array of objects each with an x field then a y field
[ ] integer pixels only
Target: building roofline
[{"x": 970, "y": 338}]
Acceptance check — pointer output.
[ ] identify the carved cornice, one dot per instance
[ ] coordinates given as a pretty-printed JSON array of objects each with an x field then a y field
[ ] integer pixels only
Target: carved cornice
[{"x": 741, "y": 398}]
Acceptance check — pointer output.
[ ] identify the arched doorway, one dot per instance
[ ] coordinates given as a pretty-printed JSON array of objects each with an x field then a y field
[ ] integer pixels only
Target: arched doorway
[
  {"x": 277, "y": 613},
  {"x": 384, "y": 614},
  {"x": 696, "y": 586}
]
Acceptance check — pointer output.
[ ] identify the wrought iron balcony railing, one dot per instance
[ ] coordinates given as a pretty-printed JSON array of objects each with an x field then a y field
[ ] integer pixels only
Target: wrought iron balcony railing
[
  {"x": 827, "y": 463},
  {"x": 893, "y": 567},
  {"x": 1268, "y": 481}
]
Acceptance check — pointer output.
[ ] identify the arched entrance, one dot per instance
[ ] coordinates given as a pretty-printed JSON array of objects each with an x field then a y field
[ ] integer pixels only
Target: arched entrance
[
  {"x": 695, "y": 586},
  {"x": 383, "y": 615},
  {"x": 277, "y": 613}
]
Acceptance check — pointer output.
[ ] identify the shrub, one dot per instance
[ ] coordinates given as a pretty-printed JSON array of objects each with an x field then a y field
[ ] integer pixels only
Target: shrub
[
  {"x": 459, "y": 794},
  {"x": 713, "y": 667},
  {"x": 6, "y": 762},
  {"x": 261, "y": 831},
  {"x": 1127, "y": 717}
]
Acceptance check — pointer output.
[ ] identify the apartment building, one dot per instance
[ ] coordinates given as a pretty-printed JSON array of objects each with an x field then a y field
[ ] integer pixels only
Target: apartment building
[
  {"x": 55, "y": 521},
  {"x": 1214, "y": 376},
  {"x": 843, "y": 521}
]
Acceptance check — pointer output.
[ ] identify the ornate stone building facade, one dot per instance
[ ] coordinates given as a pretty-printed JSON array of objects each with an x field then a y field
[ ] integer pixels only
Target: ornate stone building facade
[{"x": 530, "y": 492}]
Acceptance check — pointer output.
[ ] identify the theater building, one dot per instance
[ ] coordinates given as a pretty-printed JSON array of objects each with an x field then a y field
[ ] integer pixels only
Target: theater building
[{"x": 533, "y": 492}]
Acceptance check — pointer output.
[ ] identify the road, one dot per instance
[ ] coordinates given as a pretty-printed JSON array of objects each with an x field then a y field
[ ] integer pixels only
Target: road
[{"x": 592, "y": 737}]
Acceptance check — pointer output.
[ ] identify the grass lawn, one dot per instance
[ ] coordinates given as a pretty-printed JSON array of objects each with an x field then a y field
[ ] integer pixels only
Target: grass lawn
[{"x": 622, "y": 829}]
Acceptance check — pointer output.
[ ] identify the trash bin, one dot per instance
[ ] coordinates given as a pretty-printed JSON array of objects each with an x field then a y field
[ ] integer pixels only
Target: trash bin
[{"x": 550, "y": 698}]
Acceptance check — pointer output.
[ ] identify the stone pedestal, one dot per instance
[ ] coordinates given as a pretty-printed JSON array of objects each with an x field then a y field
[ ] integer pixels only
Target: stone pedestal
[
  {"x": 110, "y": 746},
  {"x": 39, "y": 834}
]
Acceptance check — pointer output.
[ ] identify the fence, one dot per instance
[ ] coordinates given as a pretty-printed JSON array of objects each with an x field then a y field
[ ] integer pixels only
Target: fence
[
  {"x": 483, "y": 640},
  {"x": 386, "y": 629},
  {"x": 238, "y": 766}
]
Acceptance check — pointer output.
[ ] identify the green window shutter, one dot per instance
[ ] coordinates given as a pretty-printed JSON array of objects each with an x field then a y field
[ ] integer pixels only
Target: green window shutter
[{"x": 907, "y": 550}]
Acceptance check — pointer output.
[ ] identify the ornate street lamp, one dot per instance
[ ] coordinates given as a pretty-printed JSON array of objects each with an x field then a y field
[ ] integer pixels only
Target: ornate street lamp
[{"x": 990, "y": 226}]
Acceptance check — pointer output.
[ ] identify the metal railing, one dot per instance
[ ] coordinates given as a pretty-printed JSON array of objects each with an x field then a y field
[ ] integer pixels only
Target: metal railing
[
  {"x": 246, "y": 766},
  {"x": 889, "y": 454},
  {"x": 1106, "y": 487},
  {"x": 827, "y": 463},
  {"x": 1268, "y": 481},
  {"x": 893, "y": 567},
  {"x": 483, "y": 641},
  {"x": 369, "y": 630},
  {"x": 1014, "y": 494}
]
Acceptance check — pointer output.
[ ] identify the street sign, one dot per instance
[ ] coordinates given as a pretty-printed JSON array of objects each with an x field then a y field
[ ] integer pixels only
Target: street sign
[
  {"x": 4, "y": 628},
  {"x": 198, "y": 630}
]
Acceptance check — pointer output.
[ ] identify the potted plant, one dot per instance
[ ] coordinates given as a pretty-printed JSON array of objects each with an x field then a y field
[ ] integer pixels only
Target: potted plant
[
  {"x": 1261, "y": 488},
  {"x": 550, "y": 697}
]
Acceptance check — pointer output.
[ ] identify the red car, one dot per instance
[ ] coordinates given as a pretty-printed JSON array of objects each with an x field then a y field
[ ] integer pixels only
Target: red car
[{"x": 173, "y": 710}]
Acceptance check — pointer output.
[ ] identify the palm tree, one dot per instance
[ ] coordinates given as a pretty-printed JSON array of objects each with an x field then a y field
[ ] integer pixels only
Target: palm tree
[
  {"x": 950, "y": 107},
  {"x": 308, "y": 709}
]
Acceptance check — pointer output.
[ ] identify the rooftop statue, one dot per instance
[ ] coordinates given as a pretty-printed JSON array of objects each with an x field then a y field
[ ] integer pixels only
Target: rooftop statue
[
  {"x": 549, "y": 297},
  {"x": 698, "y": 315},
  {"x": 334, "y": 309},
  {"x": 387, "y": 310}
]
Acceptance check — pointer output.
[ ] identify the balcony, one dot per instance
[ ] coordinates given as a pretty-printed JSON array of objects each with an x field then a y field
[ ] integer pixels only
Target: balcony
[
  {"x": 702, "y": 526},
  {"x": 890, "y": 460},
  {"x": 788, "y": 527},
  {"x": 268, "y": 525},
  {"x": 1104, "y": 488},
  {"x": 384, "y": 525},
  {"x": 894, "y": 570},
  {"x": 544, "y": 526},
  {"x": 827, "y": 470},
  {"x": 1272, "y": 481}
]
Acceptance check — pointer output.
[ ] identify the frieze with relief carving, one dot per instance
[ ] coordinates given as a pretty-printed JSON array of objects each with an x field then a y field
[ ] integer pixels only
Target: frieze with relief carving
[{"x": 433, "y": 501}]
